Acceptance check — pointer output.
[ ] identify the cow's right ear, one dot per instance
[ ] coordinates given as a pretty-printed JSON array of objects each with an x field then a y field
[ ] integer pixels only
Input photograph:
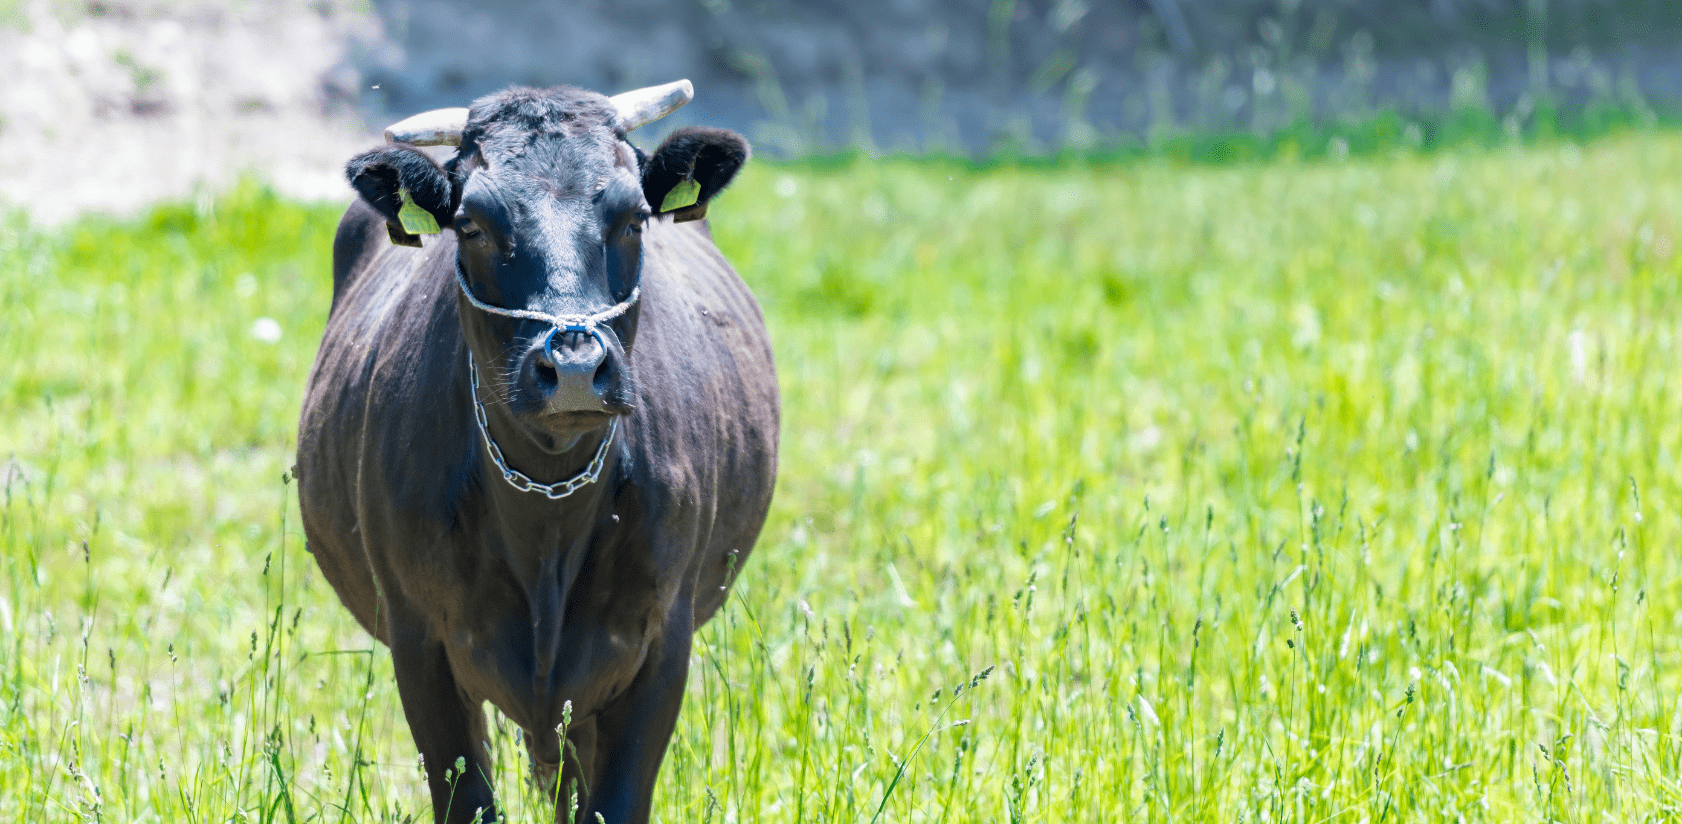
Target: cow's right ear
[{"x": 381, "y": 175}]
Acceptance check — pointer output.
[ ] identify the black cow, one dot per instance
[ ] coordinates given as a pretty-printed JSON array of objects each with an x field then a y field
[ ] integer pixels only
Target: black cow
[{"x": 536, "y": 449}]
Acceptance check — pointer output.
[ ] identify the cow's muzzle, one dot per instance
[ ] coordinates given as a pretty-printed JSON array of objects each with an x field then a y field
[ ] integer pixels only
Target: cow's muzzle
[
  {"x": 576, "y": 372},
  {"x": 576, "y": 369}
]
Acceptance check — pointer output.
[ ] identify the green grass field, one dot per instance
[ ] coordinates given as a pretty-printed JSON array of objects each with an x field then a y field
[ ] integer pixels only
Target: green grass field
[{"x": 1307, "y": 491}]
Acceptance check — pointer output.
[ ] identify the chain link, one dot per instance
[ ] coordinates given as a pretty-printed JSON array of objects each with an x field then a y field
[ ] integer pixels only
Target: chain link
[{"x": 523, "y": 482}]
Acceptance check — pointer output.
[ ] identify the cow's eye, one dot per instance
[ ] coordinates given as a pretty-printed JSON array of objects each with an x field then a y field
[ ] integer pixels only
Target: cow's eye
[{"x": 467, "y": 228}]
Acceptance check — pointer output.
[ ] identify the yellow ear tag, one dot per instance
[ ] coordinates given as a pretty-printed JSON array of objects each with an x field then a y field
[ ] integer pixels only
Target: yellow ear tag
[
  {"x": 416, "y": 221},
  {"x": 685, "y": 193}
]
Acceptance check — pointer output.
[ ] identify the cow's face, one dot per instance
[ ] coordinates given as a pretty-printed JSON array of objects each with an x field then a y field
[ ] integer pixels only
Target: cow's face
[{"x": 548, "y": 204}]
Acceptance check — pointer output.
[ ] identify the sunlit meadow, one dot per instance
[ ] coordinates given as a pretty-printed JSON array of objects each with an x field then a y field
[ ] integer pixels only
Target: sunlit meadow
[{"x": 1300, "y": 491}]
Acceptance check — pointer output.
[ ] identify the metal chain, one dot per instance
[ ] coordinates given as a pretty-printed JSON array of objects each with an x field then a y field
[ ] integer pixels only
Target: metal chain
[{"x": 519, "y": 480}]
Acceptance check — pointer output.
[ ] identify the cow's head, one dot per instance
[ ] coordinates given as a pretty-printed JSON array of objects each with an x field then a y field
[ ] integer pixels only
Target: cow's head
[{"x": 547, "y": 201}]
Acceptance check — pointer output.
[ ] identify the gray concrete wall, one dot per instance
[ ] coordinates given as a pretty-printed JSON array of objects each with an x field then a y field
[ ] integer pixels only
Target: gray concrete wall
[{"x": 976, "y": 75}]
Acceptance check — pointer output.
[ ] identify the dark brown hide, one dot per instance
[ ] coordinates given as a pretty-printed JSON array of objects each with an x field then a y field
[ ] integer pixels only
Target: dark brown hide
[{"x": 486, "y": 593}]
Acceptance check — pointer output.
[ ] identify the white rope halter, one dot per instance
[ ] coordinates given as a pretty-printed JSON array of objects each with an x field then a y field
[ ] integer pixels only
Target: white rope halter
[{"x": 568, "y": 323}]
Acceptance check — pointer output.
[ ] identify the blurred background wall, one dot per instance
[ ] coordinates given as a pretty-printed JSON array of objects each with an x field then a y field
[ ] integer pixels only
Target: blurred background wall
[
  {"x": 114, "y": 103},
  {"x": 1034, "y": 75}
]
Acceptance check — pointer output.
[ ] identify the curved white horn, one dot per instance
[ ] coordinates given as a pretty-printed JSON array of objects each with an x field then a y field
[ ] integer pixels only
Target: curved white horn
[
  {"x": 439, "y": 127},
  {"x": 644, "y": 106}
]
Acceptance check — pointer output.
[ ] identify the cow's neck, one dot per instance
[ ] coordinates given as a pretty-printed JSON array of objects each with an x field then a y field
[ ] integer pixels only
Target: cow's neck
[
  {"x": 535, "y": 526},
  {"x": 543, "y": 466}
]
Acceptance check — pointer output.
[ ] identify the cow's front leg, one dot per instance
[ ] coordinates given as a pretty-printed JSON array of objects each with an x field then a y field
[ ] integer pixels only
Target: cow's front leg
[
  {"x": 449, "y": 731},
  {"x": 632, "y": 733}
]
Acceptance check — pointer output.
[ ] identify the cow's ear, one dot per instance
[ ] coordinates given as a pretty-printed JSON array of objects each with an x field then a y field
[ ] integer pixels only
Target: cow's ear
[
  {"x": 382, "y": 175},
  {"x": 689, "y": 168}
]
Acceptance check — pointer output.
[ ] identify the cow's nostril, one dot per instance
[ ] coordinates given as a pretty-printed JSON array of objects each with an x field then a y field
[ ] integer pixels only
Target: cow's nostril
[
  {"x": 599, "y": 381},
  {"x": 545, "y": 373}
]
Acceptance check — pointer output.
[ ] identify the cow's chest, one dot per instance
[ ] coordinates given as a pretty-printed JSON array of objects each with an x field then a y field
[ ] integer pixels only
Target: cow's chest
[{"x": 580, "y": 631}]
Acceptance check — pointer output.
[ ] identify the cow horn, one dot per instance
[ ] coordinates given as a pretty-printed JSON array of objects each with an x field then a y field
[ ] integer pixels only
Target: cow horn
[
  {"x": 439, "y": 127},
  {"x": 443, "y": 127},
  {"x": 643, "y": 106}
]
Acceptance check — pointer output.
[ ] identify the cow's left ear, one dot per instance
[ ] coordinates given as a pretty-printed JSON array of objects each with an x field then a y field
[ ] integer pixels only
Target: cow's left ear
[{"x": 689, "y": 168}]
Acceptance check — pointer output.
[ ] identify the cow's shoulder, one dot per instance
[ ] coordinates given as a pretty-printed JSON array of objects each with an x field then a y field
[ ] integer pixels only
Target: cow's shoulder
[{"x": 360, "y": 238}]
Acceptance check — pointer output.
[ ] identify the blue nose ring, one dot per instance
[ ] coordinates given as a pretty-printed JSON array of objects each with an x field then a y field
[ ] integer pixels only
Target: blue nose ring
[{"x": 549, "y": 341}]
